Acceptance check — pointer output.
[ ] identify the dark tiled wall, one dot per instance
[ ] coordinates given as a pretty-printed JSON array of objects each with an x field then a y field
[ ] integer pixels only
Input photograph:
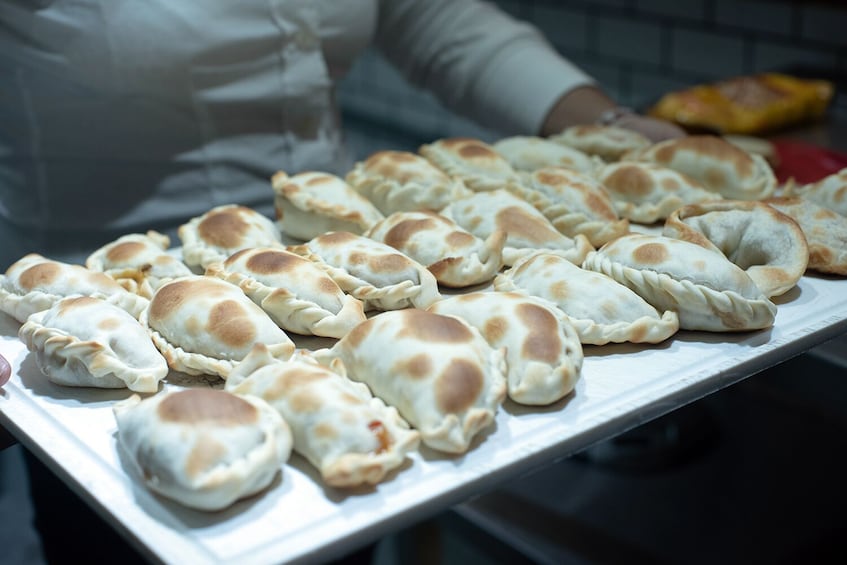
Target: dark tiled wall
[{"x": 636, "y": 49}]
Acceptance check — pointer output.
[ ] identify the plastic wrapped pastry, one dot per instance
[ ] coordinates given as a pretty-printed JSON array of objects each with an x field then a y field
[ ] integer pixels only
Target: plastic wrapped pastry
[
  {"x": 82, "y": 341},
  {"x": 311, "y": 203},
  {"x": 296, "y": 293},
  {"x": 707, "y": 290},
  {"x": 203, "y": 325},
  {"x": 829, "y": 192},
  {"x": 574, "y": 203},
  {"x": 527, "y": 229},
  {"x": 438, "y": 371},
  {"x": 138, "y": 262},
  {"x": 222, "y": 231},
  {"x": 766, "y": 243},
  {"x": 455, "y": 256},
  {"x": 34, "y": 283},
  {"x": 606, "y": 142},
  {"x": 400, "y": 181},
  {"x": 203, "y": 448},
  {"x": 351, "y": 437},
  {"x": 600, "y": 309},
  {"x": 473, "y": 161},
  {"x": 825, "y": 231},
  {"x": 527, "y": 153},
  {"x": 721, "y": 166},
  {"x": 647, "y": 192},
  {"x": 374, "y": 272},
  {"x": 543, "y": 351}
]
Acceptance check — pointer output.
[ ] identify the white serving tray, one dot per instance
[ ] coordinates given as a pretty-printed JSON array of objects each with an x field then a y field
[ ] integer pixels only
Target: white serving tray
[{"x": 297, "y": 519}]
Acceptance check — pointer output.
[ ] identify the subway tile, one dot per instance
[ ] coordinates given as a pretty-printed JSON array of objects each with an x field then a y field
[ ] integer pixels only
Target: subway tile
[
  {"x": 629, "y": 40},
  {"x": 824, "y": 23},
  {"x": 706, "y": 54},
  {"x": 689, "y": 10},
  {"x": 565, "y": 28},
  {"x": 755, "y": 15},
  {"x": 769, "y": 55}
]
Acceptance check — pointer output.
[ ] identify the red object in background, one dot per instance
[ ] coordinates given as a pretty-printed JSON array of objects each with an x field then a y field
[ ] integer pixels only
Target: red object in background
[{"x": 805, "y": 162}]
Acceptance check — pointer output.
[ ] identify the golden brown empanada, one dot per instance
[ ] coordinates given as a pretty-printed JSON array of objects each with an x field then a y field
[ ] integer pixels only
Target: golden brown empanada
[
  {"x": 825, "y": 231},
  {"x": 473, "y": 161}
]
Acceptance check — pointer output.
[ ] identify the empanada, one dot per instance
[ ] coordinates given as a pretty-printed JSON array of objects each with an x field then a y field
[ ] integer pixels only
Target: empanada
[
  {"x": 721, "y": 166},
  {"x": 222, "y": 231},
  {"x": 311, "y": 203},
  {"x": 82, "y": 341},
  {"x": 527, "y": 229},
  {"x": 543, "y": 352},
  {"x": 351, "y": 437},
  {"x": 829, "y": 192},
  {"x": 647, "y": 192},
  {"x": 606, "y": 142},
  {"x": 600, "y": 309},
  {"x": 296, "y": 293},
  {"x": 438, "y": 371},
  {"x": 574, "y": 203},
  {"x": 825, "y": 231},
  {"x": 528, "y": 153},
  {"x": 455, "y": 256},
  {"x": 707, "y": 290},
  {"x": 203, "y": 448},
  {"x": 138, "y": 262},
  {"x": 400, "y": 181},
  {"x": 34, "y": 283},
  {"x": 766, "y": 243},
  {"x": 374, "y": 272},
  {"x": 473, "y": 161},
  {"x": 203, "y": 325}
]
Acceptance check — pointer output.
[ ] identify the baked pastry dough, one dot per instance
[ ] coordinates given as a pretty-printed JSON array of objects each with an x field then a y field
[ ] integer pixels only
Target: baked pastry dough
[
  {"x": 138, "y": 262},
  {"x": 34, "y": 283},
  {"x": 609, "y": 143},
  {"x": 766, "y": 243},
  {"x": 829, "y": 192},
  {"x": 203, "y": 325},
  {"x": 438, "y": 371},
  {"x": 528, "y": 153},
  {"x": 543, "y": 353},
  {"x": 82, "y": 341},
  {"x": 203, "y": 448},
  {"x": 296, "y": 293},
  {"x": 311, "y": 203},
  {"x": 473, "y": 161},
  {"x": 707, "y": 290},
  {"x": 400, "y": 181},
  {"x": 455, "y": 256},
  {"x": 374, "y": 272},
  {"x": 721, "y": 166},
  {"x": 600, "y": 309},
  {"x": 351, "y": 437},
  {"x": 222, "y": 231},
  {"x": 825, "y": 231},
  {"x": 574, "y": 203},
  {"x": 527, "y": 229},
  {"x": 647, "y": 192}
]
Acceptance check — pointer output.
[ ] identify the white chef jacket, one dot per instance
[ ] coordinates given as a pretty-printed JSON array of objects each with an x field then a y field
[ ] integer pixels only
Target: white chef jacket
[{"x": 119, "y": 116}]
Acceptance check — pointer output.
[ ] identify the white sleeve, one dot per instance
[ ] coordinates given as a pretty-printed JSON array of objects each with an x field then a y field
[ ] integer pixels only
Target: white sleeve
[{"x": 477, "y": 60}]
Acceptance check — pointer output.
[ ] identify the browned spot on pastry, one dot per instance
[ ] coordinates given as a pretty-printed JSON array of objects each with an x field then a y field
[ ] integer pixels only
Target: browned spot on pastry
[
  {"x": 459, "y": 239},
  {"x": 516, "y": 221},
  {"x": 277, "y": 261},
  {"x": 551, "y": 178},
  {"x": 714, "y": 177},
  {"x": 475, "y": 150},
  {"x": 235, "y": 257},
  {"x": 699, "y": 265},
  {"x": 670, "y": 184},
  {"x": 328, "y": 286},
  {"x": 820, "y": 256},
  {"x": 193, "y": 326},
  {"x": 638, "y": 332},
  {"x": 559, "y": 291},
  {"x": 336, "y": 238},
  {"x": 223, "y": 228},
  {"x": 495, "y": 329},
  {"x": 204, "y": 405},
  {"x": 399, "y": 234},
  {"x": 169, "y": 298},
  {"x": 417, "y": 367},
  {"x": 401, "y": 156},
  {"x": 599, "y": 206},
  {"x": 630, "y": 179},
  {"x": 429, "y": 327},
  {"x": 543, "y": 342},
  {"x": 68, "y": 304},
  {"x": 665, "y": 153},
  {"x": 319, "y": 179},
  {"x": 304, "y": 400},
  {"x": 325, "y": 431},
  {"x": 40, "y": 275},
  {"x": 439, "y": 268},
  {"x": 109, "y": 324},
  {"x": 358, "y": 334},
  {"x": 230, "y": 323},
  {"x": 717, "y": 148},
  {"x": 125, "y": 251},
  {"x": 205, "y": 454},
  {"x": 824, "y": 214},
  {"x": 650, "y": 254},
  {"x": 458, "y": 386},
  {"x": 390, "y": 263},
  {"x": 474, "y": 223},
  {"x": 380, "y": 432},
  {"x": 291, "y": 380}
]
